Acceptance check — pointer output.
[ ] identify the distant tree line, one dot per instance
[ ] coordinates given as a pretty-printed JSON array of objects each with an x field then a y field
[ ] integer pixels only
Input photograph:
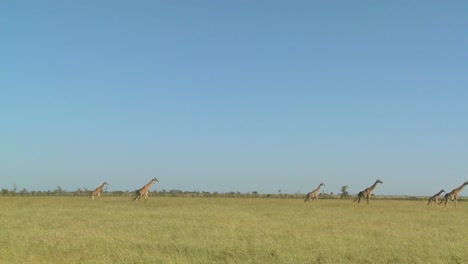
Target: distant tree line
[{"x": 59, "y": 191}]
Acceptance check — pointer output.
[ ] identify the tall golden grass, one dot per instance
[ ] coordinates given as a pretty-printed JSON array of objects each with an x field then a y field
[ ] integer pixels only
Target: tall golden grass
[{"x": 229, "y": 230}]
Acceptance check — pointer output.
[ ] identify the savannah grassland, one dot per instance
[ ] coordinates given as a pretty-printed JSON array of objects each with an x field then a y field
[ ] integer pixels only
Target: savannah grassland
[{"x": 229, "y": 230}]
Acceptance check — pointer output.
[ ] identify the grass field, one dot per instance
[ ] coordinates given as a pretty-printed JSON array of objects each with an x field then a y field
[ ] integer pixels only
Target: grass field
[{"x": 229, "y": 230}]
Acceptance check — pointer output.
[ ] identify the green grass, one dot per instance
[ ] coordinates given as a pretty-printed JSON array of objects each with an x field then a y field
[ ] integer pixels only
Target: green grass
[{"x": 229, "y": 230}]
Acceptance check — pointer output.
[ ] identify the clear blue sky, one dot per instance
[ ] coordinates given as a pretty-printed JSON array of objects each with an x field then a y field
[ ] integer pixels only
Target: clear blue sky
[{"x": 234, "y": 95}]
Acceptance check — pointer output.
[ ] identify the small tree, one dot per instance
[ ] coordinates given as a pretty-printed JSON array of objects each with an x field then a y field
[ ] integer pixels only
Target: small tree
[
  {"x": 59, "y": 191},
  {"x": 15, "y": 187},
  {"x": 78, "y": 192},
  {"x": 24, "y": 192},
  {"x": 344, "y": 192}
]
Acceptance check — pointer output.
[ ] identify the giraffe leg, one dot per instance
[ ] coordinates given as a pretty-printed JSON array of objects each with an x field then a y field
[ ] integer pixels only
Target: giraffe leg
[
  {"x": 447, "y": 197},
  {"x": 355, "y": 200},
  {"x": 137, "y": 196},
  {"x": 358, "y": 198}
]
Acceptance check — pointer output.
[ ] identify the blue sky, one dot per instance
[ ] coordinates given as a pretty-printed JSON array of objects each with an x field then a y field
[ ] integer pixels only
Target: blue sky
[{"x": 234, "y": 95}]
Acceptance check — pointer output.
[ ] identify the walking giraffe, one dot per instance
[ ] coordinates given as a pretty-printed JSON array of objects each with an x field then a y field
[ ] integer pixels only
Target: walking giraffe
[
  {"x": 453, "y": 195},
  {"x": 313, "y": 194},
  {"x": 434, "y": 199},
  {"x": 97, "y": 191},
  {"x": 144, "y": 190},
  {"x": 367, "y": 192}
]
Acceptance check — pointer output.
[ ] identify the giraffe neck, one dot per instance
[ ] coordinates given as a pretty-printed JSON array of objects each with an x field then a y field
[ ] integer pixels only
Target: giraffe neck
[
  {"x": 439, "y": 193},
  {"x": 373, "y": 186},
  {"x": 149, "y": 184},
  {"x": 457, "y": 190},
  {"x": 318, "y": 188}
]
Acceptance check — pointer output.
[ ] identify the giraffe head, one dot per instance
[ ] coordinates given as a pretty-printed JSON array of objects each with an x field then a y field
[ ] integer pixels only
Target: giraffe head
[
  {"x": 322, "y": 184},
  {"x": 155, "y": 180},
  {"x": 465, "y": 183},
  {"x": 105, "y": 183},
  {"x": 442, "y": 191},
  {"x": 378, "y": 181}
]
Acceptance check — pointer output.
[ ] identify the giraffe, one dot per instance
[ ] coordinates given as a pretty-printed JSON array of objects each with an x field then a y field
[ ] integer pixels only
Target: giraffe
[
  {"x": 144, "y": 190},
  {"x": 367, "y": 192},
  {"x": 435, "y": 198},
  {"x": 97, "y": 191},
  {"x": 453, "y": 195},
  {"x": 313, "y": 194}
]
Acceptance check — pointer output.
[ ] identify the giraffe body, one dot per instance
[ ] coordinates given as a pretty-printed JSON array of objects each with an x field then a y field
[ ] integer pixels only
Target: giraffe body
[
  {"x": 366, "y": 194},
  {"x": 435, "y": 198},
  {"x": 453, "y": 195},
  {"x": 313, "y": 195},
  {"x": 143, "y": 192},
  {"x": 97, "y": 191}
]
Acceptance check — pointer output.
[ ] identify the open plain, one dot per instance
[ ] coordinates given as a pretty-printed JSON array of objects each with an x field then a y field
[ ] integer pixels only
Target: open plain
[{"x": 229, "y": 230}]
